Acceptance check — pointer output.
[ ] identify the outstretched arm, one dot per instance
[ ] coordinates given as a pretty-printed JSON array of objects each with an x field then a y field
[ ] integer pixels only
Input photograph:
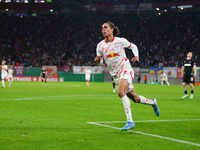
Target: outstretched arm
[{"x": 134, "y": 49}]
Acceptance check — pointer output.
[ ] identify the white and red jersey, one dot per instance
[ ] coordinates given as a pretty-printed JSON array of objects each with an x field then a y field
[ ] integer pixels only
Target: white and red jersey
[
  {"x": 4, "y": 69},
  {"x": 114, "y": 55}
]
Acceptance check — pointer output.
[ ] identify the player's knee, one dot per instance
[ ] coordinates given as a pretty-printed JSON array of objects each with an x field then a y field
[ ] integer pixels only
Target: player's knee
[
  {"x": 121, "y": 93},
  {"x": 136, "y": 99},
  {"x": 183, "y": 84}
]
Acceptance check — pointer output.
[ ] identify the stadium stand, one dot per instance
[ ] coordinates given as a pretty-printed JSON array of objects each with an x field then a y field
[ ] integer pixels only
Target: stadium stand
[{"x": 162, "y": 40}]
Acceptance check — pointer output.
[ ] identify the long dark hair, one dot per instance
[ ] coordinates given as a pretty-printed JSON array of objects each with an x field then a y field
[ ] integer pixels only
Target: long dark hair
[{"x": 116, "y": 29}]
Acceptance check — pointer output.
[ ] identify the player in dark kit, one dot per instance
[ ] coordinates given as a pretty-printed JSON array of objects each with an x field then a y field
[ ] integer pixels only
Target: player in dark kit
[
  {"x": 189, "y": 73},
  {"x": 43, "y": 75}
]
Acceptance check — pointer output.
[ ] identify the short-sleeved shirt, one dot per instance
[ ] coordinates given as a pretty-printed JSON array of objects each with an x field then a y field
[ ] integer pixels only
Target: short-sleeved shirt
[
  {"x": 44, "y": 73},
  {"x": 10, "y": 72},
  {"x": 3, "y": 71},
  {"x": 88, "y": 72},
  {"x": 188, "y": 66},
  {"x": 164, "y": 76}
]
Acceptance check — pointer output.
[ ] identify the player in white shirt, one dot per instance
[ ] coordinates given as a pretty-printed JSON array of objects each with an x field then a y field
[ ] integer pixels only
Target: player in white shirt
[
  {"x": 164, "y": 78},
  {"x": 4, "y": 73},
  {"x": 10, "y": 76},
  {"x": 112, "y": 50},
  {"x": 87, "y": 75}
]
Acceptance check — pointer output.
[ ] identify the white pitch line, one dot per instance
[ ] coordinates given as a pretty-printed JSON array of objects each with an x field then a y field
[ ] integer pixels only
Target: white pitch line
[
  {"x": 148, "y": 134},
  {"x": 62, "y": 97},
  {"x": 149, "y": 121},
  {"x": 98, "y": 96},
  {"x": 55, "y": 98}
]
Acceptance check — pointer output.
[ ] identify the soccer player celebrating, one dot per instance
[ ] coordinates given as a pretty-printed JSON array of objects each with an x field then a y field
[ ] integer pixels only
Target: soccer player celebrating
[
  {"x": 188, "y": 74},
  {"x": 87, "y": 75},
  {"x": 112, "y": 50},
  {"x": 10, "y": 75},
  {"x": 164, "y": 78},
  {"x": 43, "y": 75},
  {"x": 4, "y": 73}
]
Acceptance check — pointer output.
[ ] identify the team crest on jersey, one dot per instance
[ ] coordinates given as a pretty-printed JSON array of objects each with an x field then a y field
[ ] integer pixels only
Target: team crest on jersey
[{"x": 112, "y": 55}]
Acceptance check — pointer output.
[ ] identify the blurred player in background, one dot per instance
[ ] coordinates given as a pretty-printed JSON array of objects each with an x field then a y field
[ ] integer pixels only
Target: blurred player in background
[
  {"x": 43, "y": 75},
  {"x": 10, "y": 76},
  {"x": 112, "y": 50},
  {"x": 164, "y": 78},
  {"x": 4, "y": 73},
  {"x": 87, "y": 75},
  {"x": 145, "y": 79},
  {"x": 139, "y": 78},
  {"x": 189, "y": 73},
  {"x": 114, "y": 85}
]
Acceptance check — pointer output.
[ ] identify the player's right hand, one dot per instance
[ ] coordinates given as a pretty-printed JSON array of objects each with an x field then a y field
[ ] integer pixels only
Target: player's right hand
[{"x": 97, "y": 59}]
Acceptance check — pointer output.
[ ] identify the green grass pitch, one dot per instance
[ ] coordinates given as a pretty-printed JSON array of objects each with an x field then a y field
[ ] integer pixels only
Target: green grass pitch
[{"x": 55, "y": 116}]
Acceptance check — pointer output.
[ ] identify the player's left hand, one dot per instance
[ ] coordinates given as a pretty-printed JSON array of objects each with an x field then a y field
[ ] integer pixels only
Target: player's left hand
[{"x": 135, "y": 59}]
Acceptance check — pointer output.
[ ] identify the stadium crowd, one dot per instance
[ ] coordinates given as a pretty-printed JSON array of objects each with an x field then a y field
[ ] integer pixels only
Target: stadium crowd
[
  {"x": 132, "y": 2},
  {"x": 162, "y": 40}
]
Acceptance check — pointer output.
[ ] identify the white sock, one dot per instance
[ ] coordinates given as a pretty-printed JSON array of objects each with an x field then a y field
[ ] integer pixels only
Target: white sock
[
  {"x": 127, "y": 107},
  {"x": 162, "y": 83},
  {"x": 147, "y": 101},
  {"x": 3, "y": 84},
  {"x": 168, "y": 84}
]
